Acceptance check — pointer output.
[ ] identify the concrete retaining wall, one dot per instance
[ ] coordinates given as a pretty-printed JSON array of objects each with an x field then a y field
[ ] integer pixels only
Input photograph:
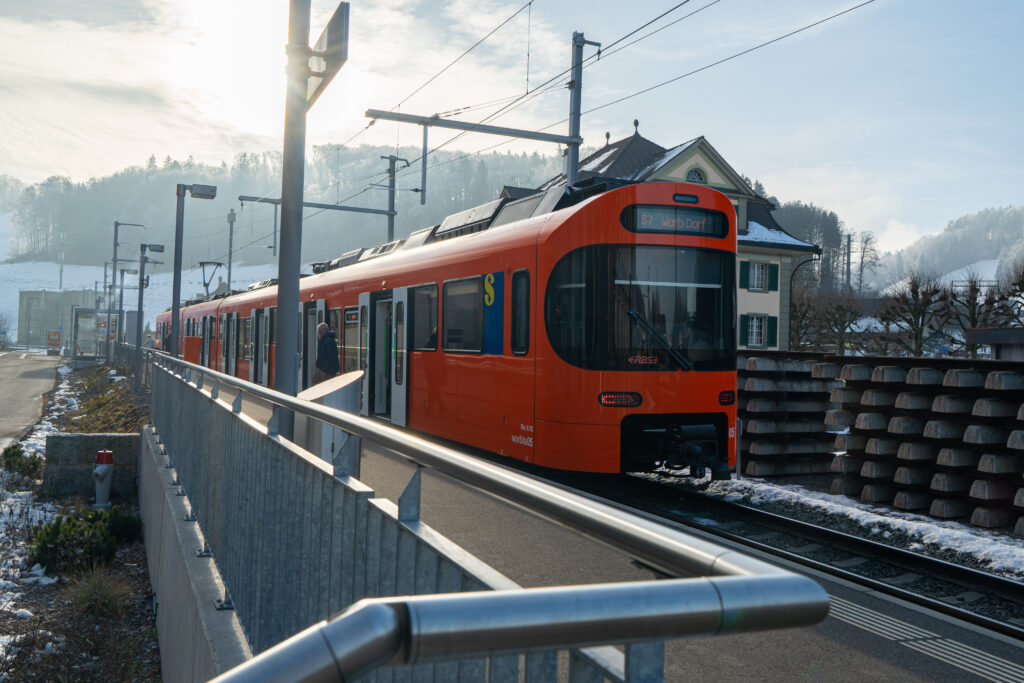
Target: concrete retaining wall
[
  {"x": 197, "y": 641},
  {"x": 70, "y": 459}
]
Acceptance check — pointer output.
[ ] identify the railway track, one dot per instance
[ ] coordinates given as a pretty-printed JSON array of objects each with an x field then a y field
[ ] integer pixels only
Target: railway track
[{"x": 976, "y": 597}]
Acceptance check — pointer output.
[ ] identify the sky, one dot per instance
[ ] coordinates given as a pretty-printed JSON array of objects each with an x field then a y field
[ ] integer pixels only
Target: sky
[{"x": 899, "y": 115}]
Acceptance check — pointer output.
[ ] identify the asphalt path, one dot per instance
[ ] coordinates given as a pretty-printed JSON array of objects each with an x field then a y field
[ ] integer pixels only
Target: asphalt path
[{"x": 24, "y": 378}]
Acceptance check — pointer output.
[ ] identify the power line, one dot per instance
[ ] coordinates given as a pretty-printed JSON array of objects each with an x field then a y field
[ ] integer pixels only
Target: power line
[
  {"x": 453, "y": 62},
  {"x": 727, "y": 59},
  {"x": 672, "y": 80}
]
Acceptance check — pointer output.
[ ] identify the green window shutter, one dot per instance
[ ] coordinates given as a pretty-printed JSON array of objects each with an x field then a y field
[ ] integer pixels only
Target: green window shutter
[
  {"x": 744, "y": 330},
  {"x": 772, "y": 337},
  {"x": 773, "y": 277},
  {"x": 744, "y": 274}
]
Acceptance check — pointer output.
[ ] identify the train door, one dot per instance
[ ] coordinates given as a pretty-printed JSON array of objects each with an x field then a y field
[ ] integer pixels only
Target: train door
[
  {"x": 254, "y": 342},
  {"x": 364, "y": 346},
  {"x": 263, "y": 336},
  {"x": 379, "y": 370},
  {"x": 400, "y": 356},
  {"x": 315, "y": 312},
  {"x": 222, "y": 355},
  {"x": 204, "y": 349},
  {"x": 231, "y": 331}
]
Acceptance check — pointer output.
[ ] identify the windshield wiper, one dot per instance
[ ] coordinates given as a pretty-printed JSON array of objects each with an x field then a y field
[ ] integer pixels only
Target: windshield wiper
[{"x": 676, "y": 355}]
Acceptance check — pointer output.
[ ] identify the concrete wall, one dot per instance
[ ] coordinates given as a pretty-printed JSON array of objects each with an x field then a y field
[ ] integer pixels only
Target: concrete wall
[
  {"x": 197, "y": 641},
  {"x": 70, "y": 459}
]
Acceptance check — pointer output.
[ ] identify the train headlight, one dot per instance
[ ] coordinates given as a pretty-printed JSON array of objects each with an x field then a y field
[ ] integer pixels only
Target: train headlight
[{"x": 619, "y": 399}]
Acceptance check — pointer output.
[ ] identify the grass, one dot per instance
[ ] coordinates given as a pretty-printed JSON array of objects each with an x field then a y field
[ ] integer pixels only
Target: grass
[{"x": 98, "y": 593}]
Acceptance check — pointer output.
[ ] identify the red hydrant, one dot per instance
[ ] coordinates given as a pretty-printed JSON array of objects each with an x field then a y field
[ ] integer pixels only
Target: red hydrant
[{"x": 103, "y": 474}]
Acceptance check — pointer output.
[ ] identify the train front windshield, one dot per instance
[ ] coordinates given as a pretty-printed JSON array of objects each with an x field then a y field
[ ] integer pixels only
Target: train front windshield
[{"x": 643, "y": 308}]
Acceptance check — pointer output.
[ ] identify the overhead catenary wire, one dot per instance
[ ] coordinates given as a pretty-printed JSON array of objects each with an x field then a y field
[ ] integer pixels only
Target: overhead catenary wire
[{"x": 677, "y": 78}]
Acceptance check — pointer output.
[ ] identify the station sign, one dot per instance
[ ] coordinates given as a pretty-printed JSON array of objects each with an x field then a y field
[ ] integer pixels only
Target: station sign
[{"x": 329, "y": 54}]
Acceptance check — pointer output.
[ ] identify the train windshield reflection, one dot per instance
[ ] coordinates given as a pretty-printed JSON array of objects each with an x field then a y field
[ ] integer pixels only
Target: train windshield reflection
[{"x": 641, "y": 307}]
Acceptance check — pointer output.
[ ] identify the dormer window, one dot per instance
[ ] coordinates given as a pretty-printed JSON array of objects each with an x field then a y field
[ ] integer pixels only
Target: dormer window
[{"x": 695, "y": 175}]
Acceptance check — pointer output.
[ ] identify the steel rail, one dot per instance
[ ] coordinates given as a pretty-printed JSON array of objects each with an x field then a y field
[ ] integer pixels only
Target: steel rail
[{"x": 968, "y": 577}]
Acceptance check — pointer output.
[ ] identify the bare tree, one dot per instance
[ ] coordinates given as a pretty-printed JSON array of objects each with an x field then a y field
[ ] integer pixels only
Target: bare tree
[
  {"x": 867, "y": 257},
  {"x": 972, "y": 304},
  {"x": 5, "y": 326},
  {"x": 918, "y": 310},
  {"x": 1011, "y": 294},
  {"x": 802, "y": 331},
  {"x": 835, "y": 316}
]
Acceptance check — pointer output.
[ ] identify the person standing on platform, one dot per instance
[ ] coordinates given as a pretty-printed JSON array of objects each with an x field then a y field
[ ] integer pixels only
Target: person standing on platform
[{"x": 326, "y": 354}]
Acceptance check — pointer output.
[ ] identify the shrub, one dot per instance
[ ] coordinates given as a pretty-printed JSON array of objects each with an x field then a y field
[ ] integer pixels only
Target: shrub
[
  {"x": 125, "y": 528},
  {"x": 71, "y": 543},
  {"x": 14, "y": 460},
  {"x": 98, "y": 593},
  {"x": 82, "y": 540}
]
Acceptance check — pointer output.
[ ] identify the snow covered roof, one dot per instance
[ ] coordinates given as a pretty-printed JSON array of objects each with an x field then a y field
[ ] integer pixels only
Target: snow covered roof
[{"x": 760, "y": 236}]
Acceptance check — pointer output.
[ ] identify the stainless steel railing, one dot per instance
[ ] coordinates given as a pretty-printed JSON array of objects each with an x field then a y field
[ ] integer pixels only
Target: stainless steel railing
[{"x": 734, "y": 592}]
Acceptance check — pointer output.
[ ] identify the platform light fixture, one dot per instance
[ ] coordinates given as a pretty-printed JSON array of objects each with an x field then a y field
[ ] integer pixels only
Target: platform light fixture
[{"x": 196, "y": 192}]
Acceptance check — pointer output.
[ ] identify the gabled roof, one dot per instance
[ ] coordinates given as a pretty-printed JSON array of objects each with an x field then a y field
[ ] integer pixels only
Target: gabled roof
[
  {"x": 763, "y": 231},
  {"x": 623, "y": 159}
]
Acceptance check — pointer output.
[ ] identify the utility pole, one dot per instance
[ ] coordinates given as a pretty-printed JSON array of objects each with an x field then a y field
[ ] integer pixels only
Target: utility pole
[
  {"x": 849, "y": 251},
  {"x": 292, "y": 178},
  {"x": 63, "y": 238},
  {"x": 117, "y": 227},
  {"x": 392, "y": 160},
  {"x": 231, "y": 243},
  {"x": 572, "y": 156}
]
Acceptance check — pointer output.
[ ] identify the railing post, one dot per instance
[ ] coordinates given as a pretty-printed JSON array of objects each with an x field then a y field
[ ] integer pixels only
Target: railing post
[{"x": 409, "y": 501}]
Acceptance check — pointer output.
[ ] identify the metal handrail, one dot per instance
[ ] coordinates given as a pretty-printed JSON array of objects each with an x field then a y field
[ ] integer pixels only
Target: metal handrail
[
  {"x": 733, "y": 593},
  {"x": 667, "y": 550},
  {"x": 419, "y": 629}
]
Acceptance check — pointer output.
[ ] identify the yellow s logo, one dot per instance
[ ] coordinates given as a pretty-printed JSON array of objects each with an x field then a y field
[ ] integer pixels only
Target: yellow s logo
[{"x": 489, "y": 289}]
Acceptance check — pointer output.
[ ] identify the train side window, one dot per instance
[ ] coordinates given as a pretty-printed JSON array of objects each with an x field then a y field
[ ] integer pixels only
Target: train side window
[
  {"x": 334, "y": 316},
  {"x": 424, "y": 318},
  {"x": 350, "y": 361},
  {"x": 463, "y": 315},
  {"x": 520, "y": 312}
]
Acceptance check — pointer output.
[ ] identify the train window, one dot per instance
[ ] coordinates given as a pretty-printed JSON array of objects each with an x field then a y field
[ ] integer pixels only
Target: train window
[
  {"x": 463, "y": 315},
  {"x": 676, "y": 220},
  {"x": 334, "y": 316},
  {"x": 643, "y": 308},
  {"x": 399, "y": 341},
  {"x": 520, "y": 311},
  {"x": 350, "y": 361},
  {"x": 424, "y": 318}
]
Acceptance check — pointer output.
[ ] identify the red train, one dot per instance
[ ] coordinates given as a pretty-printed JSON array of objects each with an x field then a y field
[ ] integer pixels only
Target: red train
[{"x": 591, "y": 331}]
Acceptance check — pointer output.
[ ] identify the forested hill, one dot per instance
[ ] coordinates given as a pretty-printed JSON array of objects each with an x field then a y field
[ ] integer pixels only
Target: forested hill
[
  {"x": 989, "y": 234},
  {"x": 82, "y": 214}
]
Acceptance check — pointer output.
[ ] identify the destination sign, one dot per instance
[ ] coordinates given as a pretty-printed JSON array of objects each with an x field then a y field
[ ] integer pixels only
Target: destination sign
[{"x": 678, "y": 220}]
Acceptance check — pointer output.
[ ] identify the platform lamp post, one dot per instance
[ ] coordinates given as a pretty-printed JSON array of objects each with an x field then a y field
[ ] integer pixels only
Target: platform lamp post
[
  {"x": 155, "y": 248},
  {"x": 117, "y": 226},
  {"x": 197, "y": 192},
  {"x": 120, "y": 302}
]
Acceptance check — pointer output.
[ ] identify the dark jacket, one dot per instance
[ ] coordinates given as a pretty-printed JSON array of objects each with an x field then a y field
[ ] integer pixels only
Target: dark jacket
[{"x": 327, "y": 354}]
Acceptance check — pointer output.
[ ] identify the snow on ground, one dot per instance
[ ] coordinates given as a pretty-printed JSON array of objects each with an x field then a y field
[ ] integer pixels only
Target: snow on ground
[
  {"x": 34, "y": 276},
  {"x": 995, "y": 552},
  {"x": 19, "y": 510}
]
